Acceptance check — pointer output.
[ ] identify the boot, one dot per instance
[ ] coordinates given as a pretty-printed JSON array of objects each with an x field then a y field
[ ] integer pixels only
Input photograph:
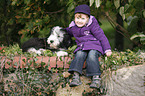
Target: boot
[
  {"x": 96, "y": 82},
  {"x": 75, "y": 80}
]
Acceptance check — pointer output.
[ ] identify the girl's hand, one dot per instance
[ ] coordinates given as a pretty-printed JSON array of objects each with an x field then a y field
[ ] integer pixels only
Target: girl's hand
[{"x": 109, "y": 53}]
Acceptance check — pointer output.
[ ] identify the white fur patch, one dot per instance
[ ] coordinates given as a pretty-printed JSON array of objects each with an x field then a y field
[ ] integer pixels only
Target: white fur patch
[
  {"x": 61, "y": 53},
  {"x": 33, "y": 50},
  {"x": 56, "y": 37}
]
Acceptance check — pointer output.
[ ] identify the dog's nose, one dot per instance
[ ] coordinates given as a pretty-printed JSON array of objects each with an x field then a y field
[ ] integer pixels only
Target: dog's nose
[{"x": 51, "y": 41}]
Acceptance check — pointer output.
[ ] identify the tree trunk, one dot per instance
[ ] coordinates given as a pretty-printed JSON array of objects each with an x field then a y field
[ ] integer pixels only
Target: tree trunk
[
  {"x": 5, "y": 27},
  {"x": 119, "y": 38}
]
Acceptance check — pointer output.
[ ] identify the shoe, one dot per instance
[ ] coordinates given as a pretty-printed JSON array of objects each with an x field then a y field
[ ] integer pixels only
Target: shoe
[
  {"x": 96, "y": 82},
  {"x": 75, "y": 81}
]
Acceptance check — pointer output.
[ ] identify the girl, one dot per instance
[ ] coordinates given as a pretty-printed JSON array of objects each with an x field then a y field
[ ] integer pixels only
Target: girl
[{"x": 91, "y": 43}]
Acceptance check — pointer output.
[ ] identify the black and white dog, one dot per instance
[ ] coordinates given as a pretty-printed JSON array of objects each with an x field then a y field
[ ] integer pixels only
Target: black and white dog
[{"x": 58, "y": 41}]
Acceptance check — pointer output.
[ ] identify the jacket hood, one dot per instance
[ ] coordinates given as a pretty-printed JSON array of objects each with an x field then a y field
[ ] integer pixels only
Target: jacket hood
[{"x": 88, "y": 24}]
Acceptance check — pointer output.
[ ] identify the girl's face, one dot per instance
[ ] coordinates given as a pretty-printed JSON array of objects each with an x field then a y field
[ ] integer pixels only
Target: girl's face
[{"x": 81, "y": 19}]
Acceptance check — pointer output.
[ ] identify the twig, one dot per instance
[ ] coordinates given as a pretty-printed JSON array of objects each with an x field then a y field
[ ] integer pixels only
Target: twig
[
  {"x": 1, "y": 72},
  {"x": 116, "y": 29},
  {"x": 121, "y": 28},
  {"x": 55, "y": 11},
  {"x": 116, "y": 24}
]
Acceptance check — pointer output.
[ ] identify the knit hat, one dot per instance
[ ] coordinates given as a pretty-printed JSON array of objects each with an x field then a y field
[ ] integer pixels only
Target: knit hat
[{"x": 82, "y": 9}]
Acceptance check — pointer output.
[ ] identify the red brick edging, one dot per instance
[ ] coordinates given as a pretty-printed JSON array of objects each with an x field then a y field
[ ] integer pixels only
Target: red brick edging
[
  {"x": 51, "y": 62},
  {"x": 21, "y": 62}
]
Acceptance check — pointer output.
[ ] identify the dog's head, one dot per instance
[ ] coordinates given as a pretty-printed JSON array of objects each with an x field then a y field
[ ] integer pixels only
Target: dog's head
[{"x": 58, "y": 38}]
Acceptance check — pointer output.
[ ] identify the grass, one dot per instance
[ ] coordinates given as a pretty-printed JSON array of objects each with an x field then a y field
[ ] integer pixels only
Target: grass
[{"x": 109, "y": 31}]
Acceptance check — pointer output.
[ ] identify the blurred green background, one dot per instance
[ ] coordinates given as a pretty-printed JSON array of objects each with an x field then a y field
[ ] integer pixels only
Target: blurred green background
[{"x": 21, "y": 20}]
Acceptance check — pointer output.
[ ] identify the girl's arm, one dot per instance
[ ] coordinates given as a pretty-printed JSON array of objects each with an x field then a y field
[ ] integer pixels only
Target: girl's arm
[
  {"x": 99, "y": 35},
  {"x": 68, "y": 31}
]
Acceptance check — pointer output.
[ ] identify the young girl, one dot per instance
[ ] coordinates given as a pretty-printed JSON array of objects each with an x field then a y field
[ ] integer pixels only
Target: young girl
[{"x": 91, "y": 43}]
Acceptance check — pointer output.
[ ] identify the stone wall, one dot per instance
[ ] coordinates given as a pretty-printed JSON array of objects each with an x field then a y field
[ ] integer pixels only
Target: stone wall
[{"x": 127, "y": 81}]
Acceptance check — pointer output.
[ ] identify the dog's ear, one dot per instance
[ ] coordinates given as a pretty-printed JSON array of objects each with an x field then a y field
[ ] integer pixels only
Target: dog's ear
[{"x": 67, "y": 40}]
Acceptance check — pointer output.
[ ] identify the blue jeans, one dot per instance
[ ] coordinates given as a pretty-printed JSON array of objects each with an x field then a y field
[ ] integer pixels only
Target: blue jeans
[{"x": 92, "y": 66}]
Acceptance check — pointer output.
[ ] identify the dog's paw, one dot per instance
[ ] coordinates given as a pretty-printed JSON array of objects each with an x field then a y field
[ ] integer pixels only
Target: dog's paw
[
  {"x": 33, "y": 50},
  {"x": 61, "y": 53}
]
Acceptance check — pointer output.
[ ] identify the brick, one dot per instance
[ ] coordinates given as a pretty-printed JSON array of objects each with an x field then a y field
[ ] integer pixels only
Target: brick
[
  {"x": 23, "y": 63},
  {"x": 16, "y": 61},
  {"x": 8, "y": 63},
  {"x": 66, "y": 63},
  {"x": 45, "y": 60},
  {"x": 53, "y": 62},
  {"x": 38, "y": 61},
  {"x": 60, "y": 62}
]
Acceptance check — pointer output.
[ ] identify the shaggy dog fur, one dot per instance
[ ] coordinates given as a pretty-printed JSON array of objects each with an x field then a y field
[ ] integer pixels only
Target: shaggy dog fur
[{"x": 58, "y": 41}]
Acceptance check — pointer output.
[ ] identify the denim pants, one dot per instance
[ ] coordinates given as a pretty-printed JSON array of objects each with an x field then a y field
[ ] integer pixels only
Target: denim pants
[{"x": 92, "y": 62}]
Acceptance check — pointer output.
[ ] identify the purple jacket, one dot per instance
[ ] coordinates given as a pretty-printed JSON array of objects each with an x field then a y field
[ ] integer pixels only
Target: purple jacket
[{"x": 90, "y": 36}]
